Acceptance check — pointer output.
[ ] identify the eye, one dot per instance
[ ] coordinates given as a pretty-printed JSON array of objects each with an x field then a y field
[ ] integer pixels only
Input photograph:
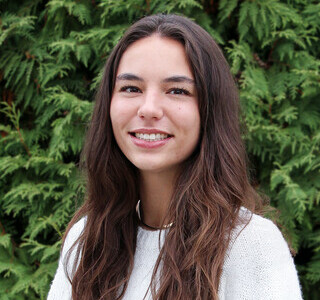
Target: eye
[
  {"x": 130, "y": 89},
  {"x": 179, "y": 91}
]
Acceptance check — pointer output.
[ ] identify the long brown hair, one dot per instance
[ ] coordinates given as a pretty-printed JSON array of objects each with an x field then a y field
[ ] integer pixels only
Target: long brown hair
[{"x": 209, "y": 192}]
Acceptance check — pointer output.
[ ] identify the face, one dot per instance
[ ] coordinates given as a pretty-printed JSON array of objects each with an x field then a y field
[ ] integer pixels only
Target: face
[{"x": 154, "y": 107}]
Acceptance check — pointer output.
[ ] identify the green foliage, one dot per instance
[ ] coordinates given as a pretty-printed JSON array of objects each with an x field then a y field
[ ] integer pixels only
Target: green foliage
[{"x": 52, "y": 53}]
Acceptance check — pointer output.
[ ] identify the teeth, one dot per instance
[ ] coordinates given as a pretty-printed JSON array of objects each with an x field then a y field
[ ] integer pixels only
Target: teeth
[{"x": 151, "y": 137}]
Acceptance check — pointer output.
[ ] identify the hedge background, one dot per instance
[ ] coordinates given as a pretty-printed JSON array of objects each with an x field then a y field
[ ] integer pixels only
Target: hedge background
[{"x": 51, "y": 57}]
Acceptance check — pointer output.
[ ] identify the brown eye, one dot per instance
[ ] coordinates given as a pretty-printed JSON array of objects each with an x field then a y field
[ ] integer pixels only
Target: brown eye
[
  {"x": 179, "y": 91},
  {"x": 130, "y": 89}
]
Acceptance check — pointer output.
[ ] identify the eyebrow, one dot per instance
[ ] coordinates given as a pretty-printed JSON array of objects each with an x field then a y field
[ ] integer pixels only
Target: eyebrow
[
  {"x": 179, "y": 78},
  {"x": 176, "y": 78},
  {"x": 129, "y": 76}
]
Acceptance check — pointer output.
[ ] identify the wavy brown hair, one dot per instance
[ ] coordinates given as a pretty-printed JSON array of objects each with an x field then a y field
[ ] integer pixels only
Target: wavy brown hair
[{"x": 209, "y": 191}]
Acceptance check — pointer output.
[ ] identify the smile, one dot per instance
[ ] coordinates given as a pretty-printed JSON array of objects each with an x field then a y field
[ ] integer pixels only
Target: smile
[
  {"x": 151, "y": 137},
  {"x": 150, "y": 140}
]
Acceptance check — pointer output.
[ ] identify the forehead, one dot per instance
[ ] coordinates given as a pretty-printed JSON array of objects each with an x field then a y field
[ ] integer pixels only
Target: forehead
[{"x": 156, "y": 56}]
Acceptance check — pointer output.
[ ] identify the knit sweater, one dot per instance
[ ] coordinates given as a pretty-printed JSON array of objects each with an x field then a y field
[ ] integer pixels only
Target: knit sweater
[{"x": 258, "y": 264}]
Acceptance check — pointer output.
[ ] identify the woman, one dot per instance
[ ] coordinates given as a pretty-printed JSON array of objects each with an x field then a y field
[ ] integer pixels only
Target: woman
[{"x": 165, "y": 216}]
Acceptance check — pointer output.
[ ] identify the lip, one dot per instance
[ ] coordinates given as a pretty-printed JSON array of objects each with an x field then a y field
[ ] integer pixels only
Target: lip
[
  {"x": 149, "y": 145},
  {"x": 149, "y": 131}
]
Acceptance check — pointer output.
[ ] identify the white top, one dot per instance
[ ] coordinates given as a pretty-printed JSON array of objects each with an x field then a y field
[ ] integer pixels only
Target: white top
[{"x": 258, "y": 265}]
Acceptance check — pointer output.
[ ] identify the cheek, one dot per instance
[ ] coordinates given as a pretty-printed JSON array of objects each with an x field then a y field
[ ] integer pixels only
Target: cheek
[
  {"x": 192, "y": 129},
  {"x": 118, "y": 114},
  {"x": 113, "y": 111},
  {"x": 189, "y": 119},
  {"x": 116, "y": 119}
]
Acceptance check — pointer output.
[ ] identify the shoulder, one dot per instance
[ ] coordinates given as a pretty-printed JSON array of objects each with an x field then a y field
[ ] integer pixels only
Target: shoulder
[
  {"x": 60, "y": 286},
  {"x": 256, "y": 231},
  {"x": 255, "y": 241},
  {"x": 68, "y": 257},
  {"x": 73, "y": 235},
  {"x": 258, "y": 261}
]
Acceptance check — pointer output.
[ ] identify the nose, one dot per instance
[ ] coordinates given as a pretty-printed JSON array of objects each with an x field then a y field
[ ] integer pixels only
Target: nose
[{"x": 151, "y": 107}]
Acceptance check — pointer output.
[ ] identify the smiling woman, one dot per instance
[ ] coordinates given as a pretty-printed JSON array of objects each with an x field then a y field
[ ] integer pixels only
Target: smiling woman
[
  {"x": 151, "y": 104},
  {"x": 170, "y": 213}
]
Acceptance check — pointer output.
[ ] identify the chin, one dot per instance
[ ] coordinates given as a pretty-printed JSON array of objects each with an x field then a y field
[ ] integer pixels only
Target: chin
[
  {"x": 156, "y": 168},
  {"x": 149, "y": 168}
]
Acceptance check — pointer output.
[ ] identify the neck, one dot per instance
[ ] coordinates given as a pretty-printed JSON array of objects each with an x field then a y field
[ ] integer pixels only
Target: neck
[{"x": 155, "y": 194}]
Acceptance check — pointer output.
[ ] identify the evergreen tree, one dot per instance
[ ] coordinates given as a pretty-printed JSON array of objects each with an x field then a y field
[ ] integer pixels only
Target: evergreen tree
[{"x": 52, "y": 53}]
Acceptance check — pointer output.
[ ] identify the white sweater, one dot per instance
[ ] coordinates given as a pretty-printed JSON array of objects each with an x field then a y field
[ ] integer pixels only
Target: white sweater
[{"x": 258, "y": 265}]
